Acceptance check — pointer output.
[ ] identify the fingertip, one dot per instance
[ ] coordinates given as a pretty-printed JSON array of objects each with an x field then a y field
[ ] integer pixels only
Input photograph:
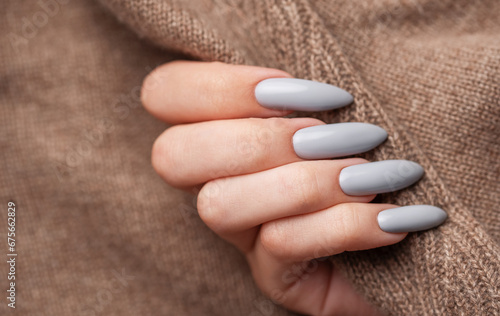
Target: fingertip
[
  {"x": 153, "y": 85},
  {"x": 340, "y": 164},
  {"x": 300, "y": 95},
  {"x": 193, "y": 91},
  {"x": 386, "y": 238},
  {"x": 391, "y": 238}
]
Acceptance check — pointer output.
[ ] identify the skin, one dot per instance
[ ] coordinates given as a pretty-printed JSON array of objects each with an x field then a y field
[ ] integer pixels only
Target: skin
[{"x": 283, "y": 213}]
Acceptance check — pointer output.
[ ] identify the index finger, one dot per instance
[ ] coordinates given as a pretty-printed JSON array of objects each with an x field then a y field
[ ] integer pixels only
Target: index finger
[{"x": 190, "y": 91}]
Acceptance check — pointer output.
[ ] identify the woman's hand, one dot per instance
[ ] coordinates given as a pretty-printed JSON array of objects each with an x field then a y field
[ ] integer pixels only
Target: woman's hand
[{"x": 280, "y": 210}]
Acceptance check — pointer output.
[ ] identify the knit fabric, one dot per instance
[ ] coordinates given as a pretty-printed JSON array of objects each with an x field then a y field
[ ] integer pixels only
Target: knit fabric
[{"x": 99, "y": 233}]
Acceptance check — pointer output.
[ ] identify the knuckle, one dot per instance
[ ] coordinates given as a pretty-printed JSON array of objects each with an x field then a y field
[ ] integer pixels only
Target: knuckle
[
  {"x": 158, "y": 156},
  {"x": 301, "y": 186},
  {"x": 210, "y": 207},
  {"x": 348, "y": 226},
  {"x": 253, "y": 143},
  {"x": 215, "y": 85},
  {"x": 145, "y": 89},
  {"x": 153, "y": 81},
  {"x": 274, "y": 240},
  {"x": 145, "y": 95},
  {"x": 157, "y": 81},
  {"x": 278, "y": 125},
  {"x": 260, "y": 139},
  {"x": 163, "y": 158}
]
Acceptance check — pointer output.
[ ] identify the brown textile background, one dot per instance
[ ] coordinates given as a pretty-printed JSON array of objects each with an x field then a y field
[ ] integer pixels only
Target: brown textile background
[{"x": 98, "y": 233}]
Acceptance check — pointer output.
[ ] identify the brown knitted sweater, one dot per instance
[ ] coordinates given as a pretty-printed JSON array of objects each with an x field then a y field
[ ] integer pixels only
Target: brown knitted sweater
[{"x": 99, "y": 233}]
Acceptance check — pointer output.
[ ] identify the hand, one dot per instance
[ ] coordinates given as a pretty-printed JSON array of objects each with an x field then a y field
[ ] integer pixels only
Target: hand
[{"x": 286, "y": 214}]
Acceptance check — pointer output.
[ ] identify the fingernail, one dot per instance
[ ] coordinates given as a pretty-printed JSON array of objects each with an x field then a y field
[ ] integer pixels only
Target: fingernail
[
  {"x": 379, "y": 177},
  {"x": 410, "y": 218},
  {"x": 300, "y": 95},
  {"x": 337, "y": 140}
]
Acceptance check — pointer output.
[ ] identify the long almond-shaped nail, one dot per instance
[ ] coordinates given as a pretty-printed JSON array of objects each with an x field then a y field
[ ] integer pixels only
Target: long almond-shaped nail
[
  {"x": 379, "y": 177},
  {"x": 410, "y": 218},
  {"x": 337, "y": 140},
  {"x": 300, "y": 95}
]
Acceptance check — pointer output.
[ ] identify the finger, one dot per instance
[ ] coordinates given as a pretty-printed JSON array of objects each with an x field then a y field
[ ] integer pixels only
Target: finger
[
  {"x": 293, "y": 189},
  {"x": 187, "y": 155},
  {"x": 311, "y": 287},
  {"x": 188, "y": 91},
  {"x": 290, "y": 256},
  {"x": 343, "y": 227}
]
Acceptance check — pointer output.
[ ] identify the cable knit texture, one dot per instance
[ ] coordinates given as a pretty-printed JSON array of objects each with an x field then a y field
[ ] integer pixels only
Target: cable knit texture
[{"x": 99, "y": 233}]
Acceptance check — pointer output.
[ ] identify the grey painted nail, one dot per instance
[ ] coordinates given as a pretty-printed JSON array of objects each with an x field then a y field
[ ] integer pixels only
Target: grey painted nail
[
  {"x": 410, "y": 218},
  {"x": 300, "y": 95},
  {"x": 379, "y": 177},
  {"x": 337, "y": 140}
]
